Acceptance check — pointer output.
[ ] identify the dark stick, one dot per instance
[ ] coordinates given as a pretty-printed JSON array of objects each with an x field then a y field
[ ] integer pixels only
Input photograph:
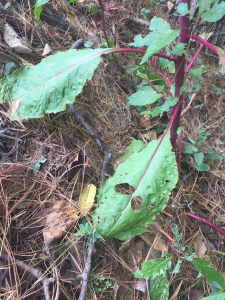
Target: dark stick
[
  {"x": 85, "y": 275},
  {"x": 78, "y": 44},
  {"x": 96, "y": 138},
  {"x": 10, "y": 58},
  {"x": 35, "y": 272},
  {"x": 10, "y": 137}
]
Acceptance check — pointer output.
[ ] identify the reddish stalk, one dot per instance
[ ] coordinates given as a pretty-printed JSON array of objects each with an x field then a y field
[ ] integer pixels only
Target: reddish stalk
[
  {"x": 219, "y": 229},
  {"x": 184, "y": 24},
  {"x": 204, "y": 43}
]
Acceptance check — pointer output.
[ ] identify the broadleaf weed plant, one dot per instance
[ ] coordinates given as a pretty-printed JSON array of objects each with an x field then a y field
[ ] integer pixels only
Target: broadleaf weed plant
[{"x": 131, "y": 213}]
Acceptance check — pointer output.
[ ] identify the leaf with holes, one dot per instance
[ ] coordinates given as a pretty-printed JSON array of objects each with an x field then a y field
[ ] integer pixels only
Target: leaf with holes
[
  {"x": 138, "y": 190},
  {"x": 49, "y": 86}
]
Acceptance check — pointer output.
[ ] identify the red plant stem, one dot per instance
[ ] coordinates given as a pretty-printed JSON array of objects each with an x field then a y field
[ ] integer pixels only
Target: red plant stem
[
  {"x": 179, "y": 152},
  {"x": 219, "y": 229},
  {"x": 194, "y": 58},
  {"x": 204, "y": 42},
  {"x": 118, "y": 4},
  {"x": 184, "y": 24},
  {"x": 162, "y": 75},
  {"x": 152, "y": 86},
  {"x": 103, "y": 22},
  {"x": 122, "y": 50}
]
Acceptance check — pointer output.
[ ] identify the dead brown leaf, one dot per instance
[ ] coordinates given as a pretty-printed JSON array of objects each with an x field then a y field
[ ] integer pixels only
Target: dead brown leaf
[
  {"x": 219, "y": 174},
  {"x": 58, "y": 221},
  {"x": 160, "y": 245},
  {"x": 170, "y": 5},
  {"x": 199, "y": 246},
  {"x": 88, "y": 92},
  {"x": 195, "y": 294}
]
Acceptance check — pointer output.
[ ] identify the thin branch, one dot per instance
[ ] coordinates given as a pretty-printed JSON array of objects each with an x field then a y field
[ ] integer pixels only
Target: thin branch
[
  {"x": 152, "y": 86},
  {"x": 96, "y": 138},
  {"x": 169, "y": 84},
  {"x": 204, "y": 221},
  {"x": 188, "y": 107},
  {"x": 116, "y": 5},
  {"x": 10, "y": 58},
  {"x": 86, "y": 273},
  {"x": 35, "y": 272}
]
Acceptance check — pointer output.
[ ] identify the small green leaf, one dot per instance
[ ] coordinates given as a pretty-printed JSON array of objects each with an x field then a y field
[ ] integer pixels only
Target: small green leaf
[
  {"x": 8, "y": 67},
  {"x": 37, "y": 166},
  {"x": 170, "y": 101},
  {"x": 144, "y": 97},
  {"x": 71, "y": 1},
  {"x": 160, "y": 36},
  {"x": 183, "y": 87},
  {"x": 203, "y": 5},
  {"x": 212, "y": 275},
  {"x": 203, "y": 167},
  {"x": 176, "y": 270},
  {"x": 179, "y": 49},
  {"x": 216, "y": 13},
  {"x": 199, "y": 157},
  {"x": 38, "y": 8},
  {"x": 153, "y": 268},
  {"x": 190, "y": 149},
  {"x": 88, "y": 44},
  {"x": 160, "y": 288},
  {"x": 7, "y": 5},
  {"x": 182, "y": 9}
]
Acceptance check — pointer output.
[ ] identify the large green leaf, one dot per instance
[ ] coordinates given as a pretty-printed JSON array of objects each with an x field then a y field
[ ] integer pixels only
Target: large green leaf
[
  {"x": 203, "y": 5},
  {"x": 160, "y": 37},
  {"x": 50, "y": 85},
  {"x": 216, "y": 13},
  {"x": 159, "y": 289},
  {"x": 212, "y": 275},
  {"x": 154, "y": 268},
  {"x": 151, "y": 174}
]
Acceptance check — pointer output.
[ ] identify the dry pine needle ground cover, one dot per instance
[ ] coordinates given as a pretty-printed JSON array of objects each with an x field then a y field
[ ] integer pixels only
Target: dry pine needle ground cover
[{"x": 40, "y": 212}]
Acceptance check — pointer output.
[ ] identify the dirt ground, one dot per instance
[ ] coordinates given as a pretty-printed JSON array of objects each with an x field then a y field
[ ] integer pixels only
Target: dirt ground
[{"x": 31, "y": 203}]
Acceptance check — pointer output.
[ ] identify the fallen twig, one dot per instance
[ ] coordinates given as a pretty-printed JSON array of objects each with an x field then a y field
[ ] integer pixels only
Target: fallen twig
[
  {"x": 85, "y": 275},
  {"x": 96, "y": 138},
  {"x": 188, "y": 107},
  {"x": 33, "y": 271},
  {"x": 10, "y": 58}
]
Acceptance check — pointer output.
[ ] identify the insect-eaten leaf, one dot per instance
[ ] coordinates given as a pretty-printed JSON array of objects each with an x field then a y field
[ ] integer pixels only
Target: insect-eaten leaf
[
  {"x": 138, "y": 190},
  {"x": 87, "y": 199},
  {"x": 52, "y": 84}
]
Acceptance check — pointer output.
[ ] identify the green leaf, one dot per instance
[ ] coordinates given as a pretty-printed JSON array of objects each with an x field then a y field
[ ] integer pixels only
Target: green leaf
[
  {"x": 212, "y": 275},
  {"x": 216, "y": 13},
  {"x": 203, "y": 5},
  {"x": 199, "y": 157},
  {"x": 153, "y": 268},
  {"x": 135, "y": 147},
  {"x": 144, "y": 97},
  {"x": 220, "y": 296},
  {"x": 7, "y": 5},
  {"x": 179, "y": 49},
  {"x": 196, "y": 74},
  {"x": 160, "y": 37},
  {"x": 49, "y": 86},
  {"x": 182, "y": 9},
  {"x": 150, "y": 174},
  {"x": 38, "y": 8},
  {"x": 165, "y": 63},
  {"x": 37, "y": 166},
  {"x": 170, "y": 101},
  {"x": 88, "y": 44},
  {"x": 8, "y": 67},
  {"x": 203, "y": 167},
  {"x": 176, "y": 270},
  {"x": 159, "y": 288},
  {"x": 190, "y": 149},
  {"x": 71, "y": 1},
  {"x": 183, "y": 87}
]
